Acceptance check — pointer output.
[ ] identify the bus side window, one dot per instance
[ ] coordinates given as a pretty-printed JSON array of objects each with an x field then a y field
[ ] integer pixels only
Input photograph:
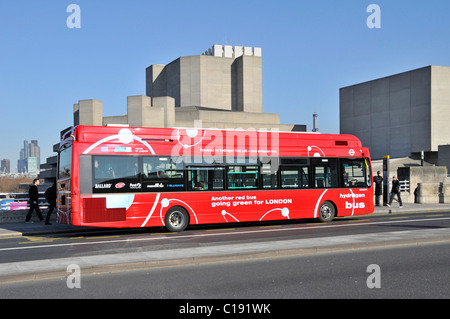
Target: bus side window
[
  {"x": 107, "y": 168},
  {"x": 155, "y": 168},
  {"x": 269, "y": 176},
  {"x": 294, "y": 177},
  {"x": 325, "y": 173},
  {"x": 304, "y": 177},
  {"x": 242, "y": 177},
  {"x": 205, "y": 178}
]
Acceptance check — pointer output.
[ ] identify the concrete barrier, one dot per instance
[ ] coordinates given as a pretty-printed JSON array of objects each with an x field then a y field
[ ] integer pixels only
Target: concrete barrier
[
  {"x": 14, "y": 210},
  {"x": 18, "y": 216},
  {"x": 444, "y": 195},
  {"x": 433, "y": 193}
]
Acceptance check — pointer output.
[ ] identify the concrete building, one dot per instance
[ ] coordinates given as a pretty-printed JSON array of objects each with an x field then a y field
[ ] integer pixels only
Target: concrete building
[
  {"x": 400, "y": 115},
  {"x": 224, "y": 78},
  {"x": 222, "y": 88}
]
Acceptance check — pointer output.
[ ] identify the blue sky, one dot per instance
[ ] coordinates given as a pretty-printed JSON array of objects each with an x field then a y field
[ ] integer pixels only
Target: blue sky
[{"x": 310, "y": 50}]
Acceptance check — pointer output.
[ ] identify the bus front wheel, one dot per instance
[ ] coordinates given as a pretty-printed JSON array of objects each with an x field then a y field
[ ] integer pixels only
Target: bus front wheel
[
  {"x": 177, "y": 219},
  {"x": 327, "y": 212}
]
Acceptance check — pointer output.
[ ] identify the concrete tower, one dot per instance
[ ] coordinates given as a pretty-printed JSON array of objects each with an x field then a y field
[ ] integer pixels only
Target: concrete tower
[{"x": 315, "y": 122}]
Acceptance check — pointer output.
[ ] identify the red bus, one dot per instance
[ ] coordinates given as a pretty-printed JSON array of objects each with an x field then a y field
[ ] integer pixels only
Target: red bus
[{"x": 123, "y": 177}]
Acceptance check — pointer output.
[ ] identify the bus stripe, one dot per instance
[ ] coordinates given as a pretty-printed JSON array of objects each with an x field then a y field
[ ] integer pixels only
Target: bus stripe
[
  {"x": 318, "y": 203},
  {"x": 152, "y": 210}
]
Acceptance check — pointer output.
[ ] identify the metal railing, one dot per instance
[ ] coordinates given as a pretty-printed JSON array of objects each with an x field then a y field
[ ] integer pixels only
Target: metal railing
[
  {"x": 13, "y": 202},
  {"x": 404, "y": 186}
]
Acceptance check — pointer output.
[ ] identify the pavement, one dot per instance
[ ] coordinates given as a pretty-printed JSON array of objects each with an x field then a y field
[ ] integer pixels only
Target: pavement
[
  {"x": 39, "y": 228},
  {"x": 96, "y": 264}
]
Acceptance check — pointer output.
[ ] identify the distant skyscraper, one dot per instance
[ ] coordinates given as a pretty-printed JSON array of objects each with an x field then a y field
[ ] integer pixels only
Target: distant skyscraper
[
  {"x": 35, "y": 151},
  {"x": 6, "y": 166},
  {"x": 30, "y": 158},
  {"x": 26, "y": 149}
]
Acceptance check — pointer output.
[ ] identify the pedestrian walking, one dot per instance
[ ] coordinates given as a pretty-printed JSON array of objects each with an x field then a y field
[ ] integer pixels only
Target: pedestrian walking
[
  {"x": 50, "y": 196},
  {"x": 378, "y": 180},
  {"x": 33, "y": 194},
  {"x": 395, "y": 191}
]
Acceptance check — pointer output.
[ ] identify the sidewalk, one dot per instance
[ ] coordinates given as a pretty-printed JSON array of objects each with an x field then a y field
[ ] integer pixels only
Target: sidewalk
[
  {"x": 39, "y": 228},
  {"x": 410, "y": 208}
]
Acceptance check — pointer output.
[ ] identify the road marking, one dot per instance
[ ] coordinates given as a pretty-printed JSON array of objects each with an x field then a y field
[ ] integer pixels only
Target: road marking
[
  {"x": 129, "y": 240},
  {"x": 11, "y": 237},
  {"x": 270, "y": 227},
  {"x": 103, "y": 237},
  {"x": 217, "y": 230},
  {"x": 33, "y": 240}
]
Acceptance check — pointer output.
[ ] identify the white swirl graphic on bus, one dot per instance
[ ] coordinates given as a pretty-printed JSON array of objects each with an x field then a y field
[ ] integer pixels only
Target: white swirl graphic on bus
[{"x": 190, "y": 133}]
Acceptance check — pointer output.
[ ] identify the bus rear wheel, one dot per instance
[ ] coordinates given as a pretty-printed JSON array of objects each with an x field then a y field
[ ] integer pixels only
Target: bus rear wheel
[
  {"x": 177, "y": 219},
  {"x": 327, "y": 212}
]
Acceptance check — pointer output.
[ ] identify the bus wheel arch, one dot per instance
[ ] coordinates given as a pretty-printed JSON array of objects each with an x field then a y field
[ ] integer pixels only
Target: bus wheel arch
[
  {"x": 176, "y": 219},
  {"x": 327, "y": 211}
]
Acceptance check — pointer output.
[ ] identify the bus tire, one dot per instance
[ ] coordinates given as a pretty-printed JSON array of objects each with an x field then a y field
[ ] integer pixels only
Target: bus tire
[
  {"x": 327, "y": 212},
  {"x": 176, "y": 219}
]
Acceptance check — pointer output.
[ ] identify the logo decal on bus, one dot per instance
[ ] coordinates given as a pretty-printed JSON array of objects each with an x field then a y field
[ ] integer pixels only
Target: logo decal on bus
[
  {"x": 349, "y": 205},
  {"x": 103, "y": 185},
  {"x": 156, "y": 185}
]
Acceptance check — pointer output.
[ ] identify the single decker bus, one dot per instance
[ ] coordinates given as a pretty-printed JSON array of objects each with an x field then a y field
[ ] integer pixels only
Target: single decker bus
[{"x": 123, "y": 177}]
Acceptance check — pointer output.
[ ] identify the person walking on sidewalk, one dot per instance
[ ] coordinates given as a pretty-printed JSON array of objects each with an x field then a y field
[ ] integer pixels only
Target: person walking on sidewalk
[
  {"x": 34, "y": 201},
  {"x": 395, "y": 191},
  {"x": 50, "y": 196}
]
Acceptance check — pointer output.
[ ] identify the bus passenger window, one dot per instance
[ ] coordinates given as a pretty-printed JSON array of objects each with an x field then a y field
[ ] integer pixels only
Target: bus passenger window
[
  {"x": 294, "y": 177},
  {"x": 325, "y": 173},
  {"x": 155, "y": 168},
  {"x": 242, "y": 177},
  {"x": 269, "y": 178},
  {"x": 205, "y": 178},
  {"x": 112, "y": 174},
  {"x": 289, "y": 177},
  {"x": 304, "y": 177},
  {"x": 115, "y": 167}
]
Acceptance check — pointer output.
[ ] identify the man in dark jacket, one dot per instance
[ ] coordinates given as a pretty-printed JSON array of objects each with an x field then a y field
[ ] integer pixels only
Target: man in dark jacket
[
  {"x": 50, "y": 195},
  {"x": 34, "y": 201},
  {"x": 395, "y": 191},
  {"x": 378, "y": 180}
]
